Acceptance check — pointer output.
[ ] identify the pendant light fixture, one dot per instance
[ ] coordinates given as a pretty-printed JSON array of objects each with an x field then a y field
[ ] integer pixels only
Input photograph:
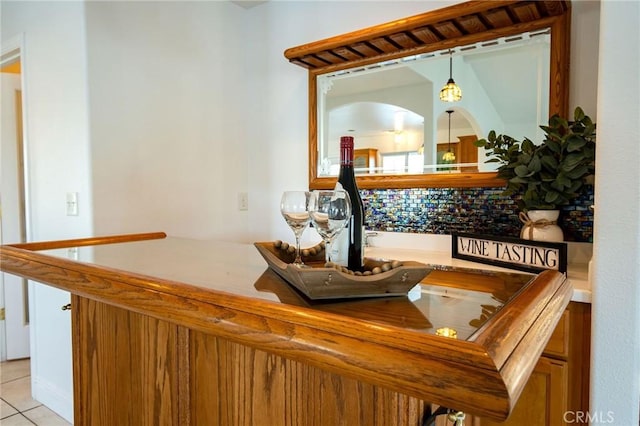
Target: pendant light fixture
[
  {"x": 449, "y": 156},
  {"x": 451, "y": 92}
]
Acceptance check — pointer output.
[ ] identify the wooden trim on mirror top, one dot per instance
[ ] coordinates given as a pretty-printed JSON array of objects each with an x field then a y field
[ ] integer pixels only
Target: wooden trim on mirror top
[{"x": 460, "y": 24}]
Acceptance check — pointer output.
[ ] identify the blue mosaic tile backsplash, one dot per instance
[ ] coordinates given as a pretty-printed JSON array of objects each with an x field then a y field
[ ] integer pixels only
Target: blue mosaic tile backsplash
[{"x": 474, "y": 210}]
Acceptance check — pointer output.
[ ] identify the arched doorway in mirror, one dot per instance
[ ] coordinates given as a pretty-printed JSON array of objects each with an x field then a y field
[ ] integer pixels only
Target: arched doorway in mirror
[
  {"x": 455, "y": 147},
  {"x": 388, "y": 137}
]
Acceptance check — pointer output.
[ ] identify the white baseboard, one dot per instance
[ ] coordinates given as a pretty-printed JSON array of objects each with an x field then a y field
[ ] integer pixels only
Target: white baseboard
[{"x": 53, "y": 397}]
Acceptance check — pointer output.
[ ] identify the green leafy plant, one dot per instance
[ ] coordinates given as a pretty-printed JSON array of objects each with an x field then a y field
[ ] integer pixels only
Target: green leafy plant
[{"x": 550, "y": 174}]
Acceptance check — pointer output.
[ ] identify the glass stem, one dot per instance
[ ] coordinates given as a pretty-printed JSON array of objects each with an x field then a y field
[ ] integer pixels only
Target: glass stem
[
  {"x": 298, "y": 260},
  {"x": 327, "y": 250}
]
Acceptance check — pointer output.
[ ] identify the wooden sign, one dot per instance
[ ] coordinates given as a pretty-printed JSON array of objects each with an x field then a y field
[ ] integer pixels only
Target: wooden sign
[{"x": 516, "y": 253}]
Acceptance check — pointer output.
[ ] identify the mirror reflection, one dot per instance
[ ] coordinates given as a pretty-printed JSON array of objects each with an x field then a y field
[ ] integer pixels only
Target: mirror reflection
[{"x": 401, "y": 126}]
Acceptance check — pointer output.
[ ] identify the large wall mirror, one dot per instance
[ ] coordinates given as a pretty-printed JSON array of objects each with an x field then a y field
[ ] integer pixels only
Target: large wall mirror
[{"x": 381, "y": 85}]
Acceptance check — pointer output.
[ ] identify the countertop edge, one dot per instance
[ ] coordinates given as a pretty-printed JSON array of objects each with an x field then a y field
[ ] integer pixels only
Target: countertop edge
[{"x": 326, "y": 341}]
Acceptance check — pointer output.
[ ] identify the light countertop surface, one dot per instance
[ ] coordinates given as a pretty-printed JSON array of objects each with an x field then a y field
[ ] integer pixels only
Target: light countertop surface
[{"x": 436, "y": 249}]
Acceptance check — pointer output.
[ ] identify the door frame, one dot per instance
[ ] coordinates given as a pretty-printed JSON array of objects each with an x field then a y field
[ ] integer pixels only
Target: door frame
[{"x": 10, "y": 50}]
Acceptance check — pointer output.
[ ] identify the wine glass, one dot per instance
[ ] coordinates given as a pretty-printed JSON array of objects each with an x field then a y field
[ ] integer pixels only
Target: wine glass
[
  {"x": 294, "y": 207},
  {"x": 330, "y": 211}
]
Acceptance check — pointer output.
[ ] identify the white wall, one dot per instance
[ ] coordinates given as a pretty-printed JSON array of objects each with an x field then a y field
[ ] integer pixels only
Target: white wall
[
  {"x": 167, "y": 99},
  {"x": 585, "y": 31},
  {"x": 56, "y": 117},
  {"x": 278, "y": 141},
  {"x": 615, "y": 372},
  {"x": 56, "y": 123}
]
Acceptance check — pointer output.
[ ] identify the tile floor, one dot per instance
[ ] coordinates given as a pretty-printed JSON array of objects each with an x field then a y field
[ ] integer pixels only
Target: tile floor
[{"x": 17, "y": 408}]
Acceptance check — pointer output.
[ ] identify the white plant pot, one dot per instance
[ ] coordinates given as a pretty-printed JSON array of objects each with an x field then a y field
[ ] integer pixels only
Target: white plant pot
[{"x": 541, "y": 225}]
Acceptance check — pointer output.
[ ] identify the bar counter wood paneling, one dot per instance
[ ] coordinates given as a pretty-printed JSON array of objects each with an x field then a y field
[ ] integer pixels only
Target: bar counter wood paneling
[{"x": 149, "y": 349}]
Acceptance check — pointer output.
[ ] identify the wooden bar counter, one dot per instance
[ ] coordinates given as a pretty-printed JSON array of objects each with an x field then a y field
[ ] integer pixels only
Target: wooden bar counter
[{"x": 170, "y": 331}]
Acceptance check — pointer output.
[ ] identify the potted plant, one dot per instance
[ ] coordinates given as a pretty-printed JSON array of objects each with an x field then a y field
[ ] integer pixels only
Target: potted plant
[{"x": 548, "y": 175}]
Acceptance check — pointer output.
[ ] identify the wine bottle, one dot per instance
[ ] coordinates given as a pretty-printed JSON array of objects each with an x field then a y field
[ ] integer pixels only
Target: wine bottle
[{"x": 348, "y": 248}]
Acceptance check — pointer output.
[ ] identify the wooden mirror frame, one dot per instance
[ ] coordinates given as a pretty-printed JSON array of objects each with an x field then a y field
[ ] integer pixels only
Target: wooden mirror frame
[{"x": 460, "y": 24}]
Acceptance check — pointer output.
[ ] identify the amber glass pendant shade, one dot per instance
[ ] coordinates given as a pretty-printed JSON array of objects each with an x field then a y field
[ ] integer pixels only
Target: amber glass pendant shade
[
  {"x": 449, "y": 156},
  {"x": 451, "y": 92}
]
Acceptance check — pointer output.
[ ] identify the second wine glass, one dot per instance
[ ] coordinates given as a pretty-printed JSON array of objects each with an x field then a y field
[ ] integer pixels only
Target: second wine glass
[
  {"x": 330, "y": 212},
  {"x": 294, "y": 207}
]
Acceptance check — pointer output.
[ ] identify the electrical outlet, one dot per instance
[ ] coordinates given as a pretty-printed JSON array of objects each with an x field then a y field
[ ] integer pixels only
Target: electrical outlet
[
  {"x": 243, "y": 201},
  {"x": 72, "y": 253},
  {"x": 72, "y": 204}
]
